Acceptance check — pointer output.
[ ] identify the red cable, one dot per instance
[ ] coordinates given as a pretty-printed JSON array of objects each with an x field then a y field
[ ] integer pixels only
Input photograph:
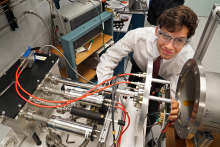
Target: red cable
[
  {"x": 66, "y": 102},
  {"x": 167, "y": 126},
  {"x": 39, "y": 51},
  {"x": 119, "y": 141},
  {"x": 122, "y": 132}
]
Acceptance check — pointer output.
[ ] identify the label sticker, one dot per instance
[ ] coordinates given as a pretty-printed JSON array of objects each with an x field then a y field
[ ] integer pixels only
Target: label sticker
[
  {"x": 188, "y": 103},
  {"x": 40, "y": 57}
]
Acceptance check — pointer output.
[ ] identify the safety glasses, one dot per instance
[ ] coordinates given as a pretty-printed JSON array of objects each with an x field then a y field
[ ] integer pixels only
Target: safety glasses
[{"x": 177, "y": 42}]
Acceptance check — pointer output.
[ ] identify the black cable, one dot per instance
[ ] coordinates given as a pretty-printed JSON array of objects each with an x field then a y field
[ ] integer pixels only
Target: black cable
[
  {"x": 151, "y": 131},
  {"x": 113, "y": 99},
  {"x": 119, "y": 130}
]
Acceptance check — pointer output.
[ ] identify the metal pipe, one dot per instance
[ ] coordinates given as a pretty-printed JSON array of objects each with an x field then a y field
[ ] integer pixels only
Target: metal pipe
[
  {"x": 207, "y": 35},
  {"x": 95, "y": 100},
  {"x": 76, "y": 128},
  {"x": 40, "y": 118},
  {"x": 155, "y": 98},
  {"x": 90, "y": 86},
  {"x": 160, "y": 81},
  {"x": 56, "y": 91}
]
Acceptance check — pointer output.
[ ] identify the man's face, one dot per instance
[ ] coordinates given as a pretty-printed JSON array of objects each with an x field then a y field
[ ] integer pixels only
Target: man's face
[{"x": 168, "y": 50}]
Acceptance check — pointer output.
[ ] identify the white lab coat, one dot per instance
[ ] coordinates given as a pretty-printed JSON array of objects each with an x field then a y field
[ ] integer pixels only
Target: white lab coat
[{"x": 142, "y": 42}]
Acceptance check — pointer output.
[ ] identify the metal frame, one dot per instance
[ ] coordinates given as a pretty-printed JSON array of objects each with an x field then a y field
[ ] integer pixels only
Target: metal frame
[
  {"x": 210, "y": 28},
  {"x": 144, "y": 107},
  {"x": 68, "y": 39}
]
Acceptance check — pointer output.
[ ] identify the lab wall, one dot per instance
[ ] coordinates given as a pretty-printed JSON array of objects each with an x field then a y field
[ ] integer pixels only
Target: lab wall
[
  {"x": 31, "y": 32},
  {"x": 201, "y": 7}
]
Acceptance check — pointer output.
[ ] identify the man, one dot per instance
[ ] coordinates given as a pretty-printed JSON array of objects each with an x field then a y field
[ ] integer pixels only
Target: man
[{"x": 169, "y": 40}]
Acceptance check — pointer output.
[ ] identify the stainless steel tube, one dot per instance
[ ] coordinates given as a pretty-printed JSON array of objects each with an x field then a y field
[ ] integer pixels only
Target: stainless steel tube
[
  {"x": 206, "y": 37},
  {"x": 90, "y": 86},
  {"x": 155, "y": 98},
  {"x": 95, "y": 100},
  {"x": 198, "y": 95},
  {"x": 56, "y": 91},
  {"x": 160, "y": 81},
  {"x": 76, "y": 128},
  {"x": 72, "y": 83},
  {"x": 40, "y": 118}
]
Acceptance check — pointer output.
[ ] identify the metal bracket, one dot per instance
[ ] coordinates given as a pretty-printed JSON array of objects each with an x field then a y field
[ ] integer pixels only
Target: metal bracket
[
  {"x": 10, "y": 16},
  {"x": 205, "y": 140}
]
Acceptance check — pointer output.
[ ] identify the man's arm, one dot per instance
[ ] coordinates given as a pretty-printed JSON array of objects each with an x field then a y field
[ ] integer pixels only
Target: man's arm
[{"x": 110, "y": 59}]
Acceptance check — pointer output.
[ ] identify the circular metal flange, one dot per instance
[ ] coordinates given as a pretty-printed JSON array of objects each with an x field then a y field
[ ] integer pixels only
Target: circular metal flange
[
  {"x": 145, "y": 101},
  {"x": 191, "y": 95}
]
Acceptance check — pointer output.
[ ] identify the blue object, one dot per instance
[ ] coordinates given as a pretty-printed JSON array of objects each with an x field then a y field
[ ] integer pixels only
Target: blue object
[
  {"x": 68, "y": 39},
  {"x": 188, "y": 119},
  {"x": 57, "y": 4},
  {"x": 27, "y": 53}
]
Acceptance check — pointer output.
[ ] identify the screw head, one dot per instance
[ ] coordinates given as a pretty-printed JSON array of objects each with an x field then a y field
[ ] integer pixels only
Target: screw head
[
  {"x": 65, "y": 20},
  {"x": 52, "y": 61},
  {"x": 38, "y": 81},
  {"x": 3, "y": 112},
  {"x": 19, "y": 105}
]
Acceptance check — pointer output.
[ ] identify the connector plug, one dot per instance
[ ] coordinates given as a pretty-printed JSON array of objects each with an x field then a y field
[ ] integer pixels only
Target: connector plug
[{"x": 28, "y": 58}]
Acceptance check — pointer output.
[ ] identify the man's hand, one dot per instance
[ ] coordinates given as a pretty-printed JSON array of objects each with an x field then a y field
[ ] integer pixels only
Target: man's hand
[{"x": 175, "y": 110}]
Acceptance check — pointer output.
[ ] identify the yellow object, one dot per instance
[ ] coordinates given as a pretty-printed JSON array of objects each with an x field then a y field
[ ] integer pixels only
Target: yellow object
[
  {"x": 110, "y": 10},
  {"x": 188, "y": 103},
  {"x": 113, "y": 132}
]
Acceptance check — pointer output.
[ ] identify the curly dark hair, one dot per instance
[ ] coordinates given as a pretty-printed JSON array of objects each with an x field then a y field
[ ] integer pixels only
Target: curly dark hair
[{"x": 176, "y": 17}]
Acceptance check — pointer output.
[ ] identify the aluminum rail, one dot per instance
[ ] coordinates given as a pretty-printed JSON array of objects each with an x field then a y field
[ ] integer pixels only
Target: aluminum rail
[{"x": 210, "y": 28}]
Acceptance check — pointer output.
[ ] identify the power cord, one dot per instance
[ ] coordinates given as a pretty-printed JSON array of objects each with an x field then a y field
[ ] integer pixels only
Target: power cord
[{"x": 151, "y": 131}]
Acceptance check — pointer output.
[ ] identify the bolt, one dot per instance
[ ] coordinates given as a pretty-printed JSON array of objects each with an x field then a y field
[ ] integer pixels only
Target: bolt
[
  {"x": 65, "y": 20},
  {"x": 3, "y": 112},
  {"x": 52, "y": 61},
  {"x": 97, "y": 131},
  {"x": 38, "y": 81},
  {"x": 4, "y": 73},
  {"x": 102, "y": 116},
  {"x": 19, "y": 105}
]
